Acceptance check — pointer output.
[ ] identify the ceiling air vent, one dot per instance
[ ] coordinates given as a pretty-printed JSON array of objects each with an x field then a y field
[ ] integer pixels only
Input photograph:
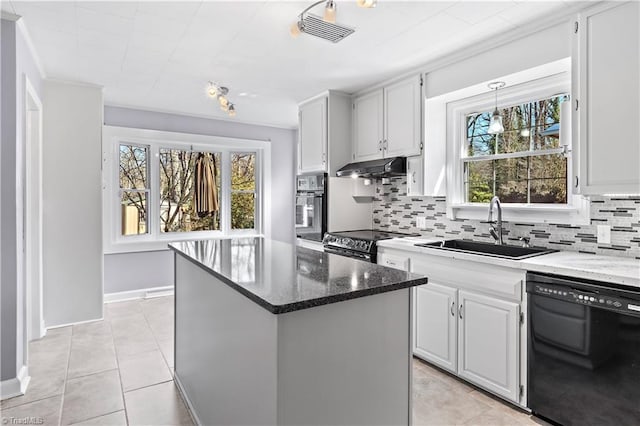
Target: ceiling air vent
[{"x": 316, "y": 26}]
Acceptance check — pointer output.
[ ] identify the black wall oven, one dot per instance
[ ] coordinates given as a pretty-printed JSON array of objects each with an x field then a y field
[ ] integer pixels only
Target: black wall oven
[
  {"x": 584, "y": 351},
  {"x": 311, "y": 206}
]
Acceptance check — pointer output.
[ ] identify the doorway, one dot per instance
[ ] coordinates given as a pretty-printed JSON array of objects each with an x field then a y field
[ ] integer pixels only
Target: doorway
[{"x": 32, "y": 215}]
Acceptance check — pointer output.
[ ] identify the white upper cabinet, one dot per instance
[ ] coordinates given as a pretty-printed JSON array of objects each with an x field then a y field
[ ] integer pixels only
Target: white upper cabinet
[
  {"x": 402, "y": 123},
  {"x": 312, "y": 152},
  {"x": 388, "y": 121},
  {"x": 367, "y": 126},
  {"x": 606, "y": 96},
  {"x": 324, "y": 133}
]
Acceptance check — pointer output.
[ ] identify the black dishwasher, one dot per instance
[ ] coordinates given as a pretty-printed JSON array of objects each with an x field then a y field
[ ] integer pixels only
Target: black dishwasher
[{"x": 583, "y": 351}]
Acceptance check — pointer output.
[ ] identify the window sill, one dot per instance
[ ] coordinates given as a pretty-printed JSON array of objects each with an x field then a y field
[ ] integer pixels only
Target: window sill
[
  {"x": 139, "y": 245},
  {"x": 576, "y": 214}
]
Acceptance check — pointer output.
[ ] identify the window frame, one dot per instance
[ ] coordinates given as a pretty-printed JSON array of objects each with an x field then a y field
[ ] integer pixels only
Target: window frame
[
  {"x": 154, "y": 239},
  {"x": 576, "y": 211}
]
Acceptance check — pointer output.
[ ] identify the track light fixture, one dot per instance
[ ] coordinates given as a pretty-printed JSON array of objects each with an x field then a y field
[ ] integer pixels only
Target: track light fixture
[
  {"x": 215, "y": 91},
  {"x": 325, "y": 27}
]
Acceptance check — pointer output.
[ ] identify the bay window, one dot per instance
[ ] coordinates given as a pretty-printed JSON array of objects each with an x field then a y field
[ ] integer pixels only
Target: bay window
[{"x": 162, "y": 187}]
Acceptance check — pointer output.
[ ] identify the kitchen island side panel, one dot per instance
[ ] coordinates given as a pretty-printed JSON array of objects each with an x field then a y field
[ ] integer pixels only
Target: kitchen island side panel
[
  {"x": 347, "y": 363},
  {"x": 225, "y": 350}
]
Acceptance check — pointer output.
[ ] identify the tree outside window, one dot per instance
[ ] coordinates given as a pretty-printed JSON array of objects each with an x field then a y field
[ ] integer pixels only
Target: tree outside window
[
  {"x": 243, "y": 190},
  {"x": 134, "y": 189},
  {"x": 525, "y": 164},
  {"x": 177, "y": 179}
]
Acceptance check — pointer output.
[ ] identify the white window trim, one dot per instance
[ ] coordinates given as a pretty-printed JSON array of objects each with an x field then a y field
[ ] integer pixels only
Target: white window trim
[
  {"x": 155, "y": 240},
  {"x": 575, "y": 212}
]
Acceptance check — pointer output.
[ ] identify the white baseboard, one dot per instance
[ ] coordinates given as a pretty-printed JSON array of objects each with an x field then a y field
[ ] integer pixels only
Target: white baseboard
[
  {"x": 143, "y": 293},
  {"x": 186, "y": 400},
  {"x": 74, "y": 323},
  {"x": 16, "y": 386}
]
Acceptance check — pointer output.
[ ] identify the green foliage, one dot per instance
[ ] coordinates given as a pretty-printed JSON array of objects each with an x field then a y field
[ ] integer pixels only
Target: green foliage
[
  {"x": 526, "y": 179},
  {"x": 243, "y": 185}
]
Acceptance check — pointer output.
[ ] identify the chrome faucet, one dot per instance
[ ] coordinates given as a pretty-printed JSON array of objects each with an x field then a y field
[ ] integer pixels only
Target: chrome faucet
[{"x": 495, "y": 231}]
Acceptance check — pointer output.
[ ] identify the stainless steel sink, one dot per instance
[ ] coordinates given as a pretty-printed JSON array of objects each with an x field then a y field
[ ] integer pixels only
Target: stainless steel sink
[{"x": 488, "y": 249}]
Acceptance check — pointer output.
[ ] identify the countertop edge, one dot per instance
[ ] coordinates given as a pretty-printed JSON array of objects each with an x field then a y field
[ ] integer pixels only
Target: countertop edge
[
  {"x": 305, "y": 304},
  {"x": 531, "y": 264}
]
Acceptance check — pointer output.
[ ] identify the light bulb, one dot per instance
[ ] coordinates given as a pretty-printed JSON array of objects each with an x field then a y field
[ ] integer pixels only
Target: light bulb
[
  {"x": 367, "y": 3},
  {"x": 223, "y": 101},
  {"x": 295, "y": 29},
  {"x": 232, "y": 110},
  {"x": 225, "y": 107},
  {"x": 212, "y": 91},
  {"x": 330, "y": 12},
  {"x": 495, "y": 124}
]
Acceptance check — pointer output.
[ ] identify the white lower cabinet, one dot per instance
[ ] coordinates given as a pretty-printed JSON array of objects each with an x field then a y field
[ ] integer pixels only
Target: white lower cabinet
[
  {"x": 467, "y": 321},
  {"x": 488, "y": 341},
  {"x": 435, "y": 330}
]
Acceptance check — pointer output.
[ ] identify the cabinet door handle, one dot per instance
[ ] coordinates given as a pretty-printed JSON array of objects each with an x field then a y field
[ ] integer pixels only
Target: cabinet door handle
[
  {"x": 460, "y": 311},
  {"x": 413, "y": 177},
  {"x": 453, "y": 307},
  {"x": 379, "y": 145},
  {"x": 385, "y": 145}
]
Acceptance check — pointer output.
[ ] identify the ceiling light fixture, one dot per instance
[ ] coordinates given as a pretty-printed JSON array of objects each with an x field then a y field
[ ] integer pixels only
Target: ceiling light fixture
[
  {"x": 325, "y": 27},
  {"x": 215, "y": 91},
  {"x": 495, "y": 124},
  {"x": 368, "y": 4}
]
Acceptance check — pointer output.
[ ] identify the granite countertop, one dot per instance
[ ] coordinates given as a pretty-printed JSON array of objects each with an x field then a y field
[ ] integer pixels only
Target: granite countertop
[
  {"x": 612, "y": 269},
  {"x": 283, "y": 277}
]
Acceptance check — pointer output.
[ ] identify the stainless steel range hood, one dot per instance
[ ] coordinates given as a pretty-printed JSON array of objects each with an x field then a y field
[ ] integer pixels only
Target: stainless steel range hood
[{"x": 386, "y": 167}]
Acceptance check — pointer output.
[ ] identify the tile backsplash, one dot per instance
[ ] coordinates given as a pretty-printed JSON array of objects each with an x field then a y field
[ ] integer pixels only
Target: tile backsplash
[{"x": 394, "y": 210}]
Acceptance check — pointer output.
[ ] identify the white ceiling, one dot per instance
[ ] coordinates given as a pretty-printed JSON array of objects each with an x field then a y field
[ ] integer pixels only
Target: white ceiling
[{"x": 160, "y": 55}]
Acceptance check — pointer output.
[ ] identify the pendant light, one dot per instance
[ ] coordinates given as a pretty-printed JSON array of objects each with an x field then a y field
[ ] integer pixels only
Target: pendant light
[
  {"x": 330, "y": 12},
  {"x": 495, "y": 124}
]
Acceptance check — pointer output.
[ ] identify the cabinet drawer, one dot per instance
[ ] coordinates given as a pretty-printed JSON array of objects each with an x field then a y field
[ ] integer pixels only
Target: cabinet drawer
[
  {"x": 479, "y": 277},
  {"x": 394, "y": 261}
]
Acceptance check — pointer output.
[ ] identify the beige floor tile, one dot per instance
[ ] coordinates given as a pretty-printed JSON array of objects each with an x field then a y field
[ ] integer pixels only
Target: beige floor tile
[
  {"x": 40, "y": 387},
  {"x": 133, "y": 344},
  {"x": 156, "y": 405},
  {"x": 43, "y": 412},
  {"x": 437, "y": 402},
  {"x": 55, "y": 340},
  {"x": 161, "y": 329},
  {"x": 166, "y": 346},
  {"x": 92, "y": 396},
  {"x": 123, "y": 326},
  {"x": 158, "y": 305},
  {"x": 145, "y": 369},
  {"x": 122, "y": 309},
  {"x": 89, "y": 356},
  {"x": 495, "y": 417},
  {"x": 94, "y": 329},
  {"x": 119, "y": 418}
]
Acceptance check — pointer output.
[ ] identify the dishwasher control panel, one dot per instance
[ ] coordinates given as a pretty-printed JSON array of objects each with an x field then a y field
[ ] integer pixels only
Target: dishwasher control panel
[{"x": 588, "y": 298}]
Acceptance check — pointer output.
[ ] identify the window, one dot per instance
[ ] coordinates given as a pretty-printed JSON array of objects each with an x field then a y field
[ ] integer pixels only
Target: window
[
  {"x": 170, "y": 186},
  {"x": 134, "y": 188},
  {"x": 178, "y": 211},
  {"x": 525, "y": 164},
  {"x": 529, "y": 165},
  {"x": 243, "y": 190}
]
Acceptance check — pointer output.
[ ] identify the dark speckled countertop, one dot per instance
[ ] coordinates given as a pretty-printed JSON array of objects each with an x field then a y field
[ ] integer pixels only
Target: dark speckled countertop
[{"x": 283, "y": 277}]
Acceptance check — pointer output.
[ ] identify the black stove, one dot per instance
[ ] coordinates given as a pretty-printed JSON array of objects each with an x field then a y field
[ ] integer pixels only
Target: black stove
[{"x": 360, "y": 244}]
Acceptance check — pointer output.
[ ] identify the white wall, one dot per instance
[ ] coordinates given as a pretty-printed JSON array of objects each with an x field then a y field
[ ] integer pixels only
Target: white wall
[
  {"x": 73, "y": 259},
  {"x": 18, "y": 63},
  {"x": 545, "y": 46},
  {"x": 132, "y": 271}
]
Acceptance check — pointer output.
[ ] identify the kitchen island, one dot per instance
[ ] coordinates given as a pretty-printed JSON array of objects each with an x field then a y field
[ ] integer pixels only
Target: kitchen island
[{"x": 270, "y": 333}]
